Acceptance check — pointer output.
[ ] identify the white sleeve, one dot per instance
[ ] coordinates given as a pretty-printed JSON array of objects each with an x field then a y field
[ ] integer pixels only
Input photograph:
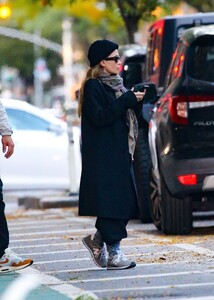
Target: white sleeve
[{"x": 5, "y": 128}]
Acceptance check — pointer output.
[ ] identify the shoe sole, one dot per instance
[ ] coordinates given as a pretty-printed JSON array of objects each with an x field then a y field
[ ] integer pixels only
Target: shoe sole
[
  {"x": 7, "y": 269},
  {"x": 132, "y": 265},
  {"x": 92, "y": 255}
]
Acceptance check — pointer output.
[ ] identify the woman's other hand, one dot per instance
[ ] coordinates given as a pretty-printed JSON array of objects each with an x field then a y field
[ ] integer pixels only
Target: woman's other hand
[{"x": 139, "y": 95}]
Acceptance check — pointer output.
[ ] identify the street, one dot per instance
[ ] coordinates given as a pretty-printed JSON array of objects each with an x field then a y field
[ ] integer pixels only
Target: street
[
  {"x": 168, "y": 267},
  {"x": 113, "y": 100}
]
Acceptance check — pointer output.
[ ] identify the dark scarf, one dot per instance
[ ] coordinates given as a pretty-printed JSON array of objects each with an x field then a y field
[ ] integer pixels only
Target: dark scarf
[{"x": 116, "y": 83}]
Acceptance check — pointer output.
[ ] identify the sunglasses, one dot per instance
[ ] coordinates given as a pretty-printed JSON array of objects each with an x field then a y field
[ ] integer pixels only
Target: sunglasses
[{"x": 114, "y": 58}]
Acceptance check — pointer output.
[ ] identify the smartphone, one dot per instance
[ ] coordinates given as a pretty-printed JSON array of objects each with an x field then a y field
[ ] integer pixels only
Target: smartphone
[{"x": 141, "y": 87}]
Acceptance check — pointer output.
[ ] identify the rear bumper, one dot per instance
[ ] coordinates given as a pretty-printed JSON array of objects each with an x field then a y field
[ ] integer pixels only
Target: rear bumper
[{"x": 172, "y": 166}]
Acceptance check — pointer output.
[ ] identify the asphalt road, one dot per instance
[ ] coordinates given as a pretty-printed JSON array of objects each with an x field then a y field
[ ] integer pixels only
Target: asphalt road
[{"x": 168, "y": 267}]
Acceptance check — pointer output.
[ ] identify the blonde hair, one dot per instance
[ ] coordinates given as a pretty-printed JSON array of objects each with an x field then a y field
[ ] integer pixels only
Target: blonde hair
[{"x": 93, "y": 72}]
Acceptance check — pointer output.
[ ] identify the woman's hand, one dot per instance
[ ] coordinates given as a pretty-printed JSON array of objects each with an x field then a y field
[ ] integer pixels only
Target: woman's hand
[{"x": 140, "y": 95}]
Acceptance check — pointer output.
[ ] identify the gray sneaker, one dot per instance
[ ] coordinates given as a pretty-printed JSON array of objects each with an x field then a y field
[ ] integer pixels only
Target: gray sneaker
[
  {"x": 119, "y": 262},
  {"x": 98, "y": 253}
]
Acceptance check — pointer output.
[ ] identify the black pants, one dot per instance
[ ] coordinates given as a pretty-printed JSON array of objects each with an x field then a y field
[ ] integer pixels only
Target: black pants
[
  {"x": 111, "y": 230},
  {"x": 4, "y": 233},
  {"x": 114, "y": 230}
]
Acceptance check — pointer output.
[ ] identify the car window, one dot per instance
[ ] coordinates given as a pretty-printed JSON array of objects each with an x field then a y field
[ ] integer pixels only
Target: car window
[
  {"x": 176, "y": 66},
  {"x": 133, "y": 71},
  {"x": 154, "y": 51},
  {"x": 201, "y": 59},
  {"x": 23, "y": 120}
]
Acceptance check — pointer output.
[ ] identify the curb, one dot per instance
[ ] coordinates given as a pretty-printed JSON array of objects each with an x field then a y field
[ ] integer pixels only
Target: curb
[
  {"x": 30, "y": 202},
  {"x": 59, "y": 286}
]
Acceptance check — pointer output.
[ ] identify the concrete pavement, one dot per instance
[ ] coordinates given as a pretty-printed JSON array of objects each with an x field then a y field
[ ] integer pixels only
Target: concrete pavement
[
  {"x": 40, "y": 199},
  {"x": 172, "y": 267},
  {"x": 30, "y": 283}
]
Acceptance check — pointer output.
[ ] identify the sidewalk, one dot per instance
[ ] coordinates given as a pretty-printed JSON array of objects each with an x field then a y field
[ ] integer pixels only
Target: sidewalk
[
  {"x": 40, "y": 200},
  {"x": 19, "y": 285},
  {"x": 45, "y": 287},
  {"x": 39, "y": 293}
]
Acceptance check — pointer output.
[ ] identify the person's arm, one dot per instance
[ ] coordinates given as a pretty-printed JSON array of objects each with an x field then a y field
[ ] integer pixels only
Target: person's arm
[
  {"x": 5, "y": 132},
  {"x": 101, "y": 111}
]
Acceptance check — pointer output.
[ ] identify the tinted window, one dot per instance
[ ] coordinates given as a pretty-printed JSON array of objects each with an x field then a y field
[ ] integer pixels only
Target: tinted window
[
  {"x": 201, "y": 59},
  {"x": 133, "y": 71},
  {"x": 177, "y": 64},
  {"x": 154, "y": 51},
  {"x": 23, "y": 120}
]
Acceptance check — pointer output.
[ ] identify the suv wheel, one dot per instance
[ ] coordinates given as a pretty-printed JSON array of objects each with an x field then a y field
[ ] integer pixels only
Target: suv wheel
[
  {"x": 142, "y": 165},
  {"x": 155, "y": 201},
  {"x": 171, "y": 215}
]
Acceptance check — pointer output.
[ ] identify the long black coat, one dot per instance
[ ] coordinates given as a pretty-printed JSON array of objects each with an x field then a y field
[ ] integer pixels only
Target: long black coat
[{"x": 106, "y": 188}]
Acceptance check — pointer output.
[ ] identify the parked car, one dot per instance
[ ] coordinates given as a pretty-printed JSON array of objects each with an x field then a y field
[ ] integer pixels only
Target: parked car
[
  {"x": 132, "y": 67},
  {"x": 40, "y": 160},
  {"x": 181, "y": 135},
  {"x": 133, "y": 60},
  {"x": 163, "y": 36}
]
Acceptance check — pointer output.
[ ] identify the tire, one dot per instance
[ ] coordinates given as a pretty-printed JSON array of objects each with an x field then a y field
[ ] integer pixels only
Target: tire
[
  {"x": 142, "y": 164},
  {"x": 155, "y": 202},
  {"x": 171, "y": 215}
]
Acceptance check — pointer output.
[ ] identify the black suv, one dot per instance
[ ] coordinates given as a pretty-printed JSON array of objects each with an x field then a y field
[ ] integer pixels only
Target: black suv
[
  {"x": 163, "y": 36},
  {"x": 133, "y": 58},
  {"x": 181, "y": 135}
]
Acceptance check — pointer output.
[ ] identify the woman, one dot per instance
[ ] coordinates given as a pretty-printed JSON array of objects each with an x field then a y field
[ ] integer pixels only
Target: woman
[{"x": 109, "y": 133}]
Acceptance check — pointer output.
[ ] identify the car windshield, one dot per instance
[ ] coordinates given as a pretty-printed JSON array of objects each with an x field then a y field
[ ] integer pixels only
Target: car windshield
[
  {"x": 133, "y": 70},
  {"x": 200, "y": 64},
  {"x": 22, "y": 120}
]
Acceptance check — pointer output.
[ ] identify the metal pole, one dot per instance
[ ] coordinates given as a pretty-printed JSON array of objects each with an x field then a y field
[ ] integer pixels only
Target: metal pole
[
  {"x": 38, "y": 85},
  {"x": 67, "y": 54}
]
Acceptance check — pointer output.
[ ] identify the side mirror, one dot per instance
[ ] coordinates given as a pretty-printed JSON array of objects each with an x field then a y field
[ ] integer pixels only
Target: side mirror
[
  {"x": 149, "y": 99},
  {"x": 151, "y": 91}
]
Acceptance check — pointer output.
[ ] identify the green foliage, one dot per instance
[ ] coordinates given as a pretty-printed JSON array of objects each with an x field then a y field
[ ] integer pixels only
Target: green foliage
[
  {"x": 135, "y": 8},
  {"x": 35, "y": 16},
  {"x": 92, "y": 19},
  {"x": 133, "y": 12},
  {"x": 19, "y": 56},
  {"x": 202, "y": 6}
]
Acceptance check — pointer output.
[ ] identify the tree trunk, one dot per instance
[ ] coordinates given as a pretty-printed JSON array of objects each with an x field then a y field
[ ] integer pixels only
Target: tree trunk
[
  {"x": 131, "y": 20},
  {"x": 131, "y": 24}
]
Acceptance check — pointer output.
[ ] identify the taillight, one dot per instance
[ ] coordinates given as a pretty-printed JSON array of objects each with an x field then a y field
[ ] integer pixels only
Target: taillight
[
  {"x": 178, "y": 109},
  {"x": 182, "y": 109},
  {"x": 180, "y": 105},
  {"x": 188, "y": 179}
]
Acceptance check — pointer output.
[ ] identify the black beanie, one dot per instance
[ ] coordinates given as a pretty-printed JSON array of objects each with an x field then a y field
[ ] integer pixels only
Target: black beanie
[{"x": 99, "y": 50}]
